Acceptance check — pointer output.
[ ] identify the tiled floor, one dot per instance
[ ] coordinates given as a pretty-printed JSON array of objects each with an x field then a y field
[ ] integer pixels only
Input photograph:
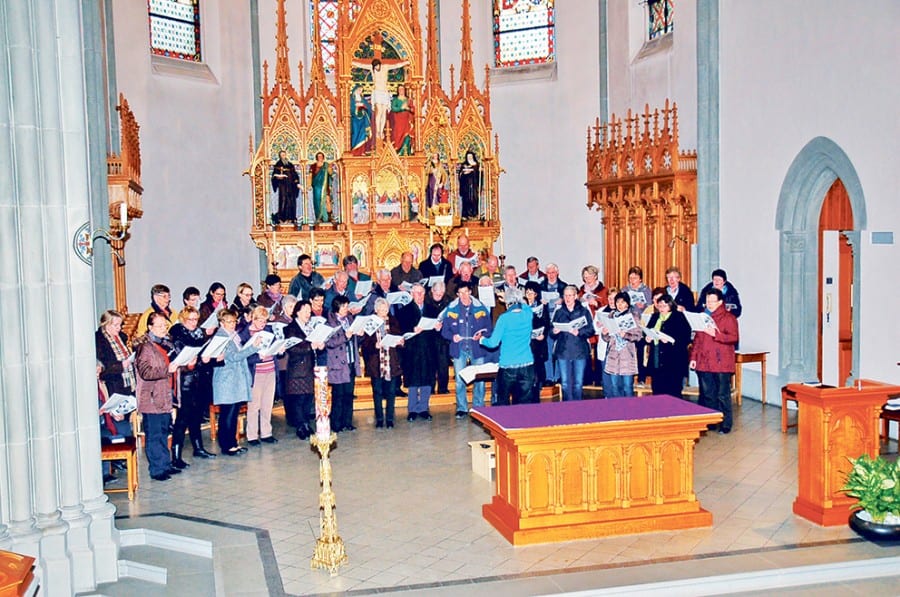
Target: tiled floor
[{"x": 409, "y": 512}]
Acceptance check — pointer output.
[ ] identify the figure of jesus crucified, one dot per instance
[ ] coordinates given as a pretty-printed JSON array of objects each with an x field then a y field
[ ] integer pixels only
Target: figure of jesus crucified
[{"x": 381, "y": 97}]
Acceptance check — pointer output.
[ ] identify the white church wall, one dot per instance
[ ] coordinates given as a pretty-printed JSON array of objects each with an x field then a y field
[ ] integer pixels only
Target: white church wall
[
  {"x": 790, "y": 72},
  {"x": 542, "y": 126},
  {"x": 643, "y": 74},
  {"x": 194, "y": 146}
]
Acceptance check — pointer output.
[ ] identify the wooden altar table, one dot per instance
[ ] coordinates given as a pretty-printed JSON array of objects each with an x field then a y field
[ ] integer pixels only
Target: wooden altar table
[{"x": 595, "y": 468}]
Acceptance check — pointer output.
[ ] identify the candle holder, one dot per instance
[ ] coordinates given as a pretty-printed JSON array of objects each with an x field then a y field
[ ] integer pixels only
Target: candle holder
[{"x": 329, "y": 551}]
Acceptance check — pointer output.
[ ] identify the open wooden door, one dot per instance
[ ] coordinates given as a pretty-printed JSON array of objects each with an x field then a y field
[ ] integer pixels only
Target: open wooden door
[{"x": 836, "y": 288}]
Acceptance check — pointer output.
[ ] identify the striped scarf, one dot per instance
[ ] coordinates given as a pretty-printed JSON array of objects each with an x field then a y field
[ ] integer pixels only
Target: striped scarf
[{"x": 121, "y": 352}]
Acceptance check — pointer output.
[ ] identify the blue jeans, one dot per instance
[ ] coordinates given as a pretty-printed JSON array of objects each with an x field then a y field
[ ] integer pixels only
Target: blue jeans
[
  {"x": 550, "y": 365},
  {"x": 619, "y": 386},
  {"x": 462, "y": 403},
  {"x": 418, "y": 399},
  {"x": 571, "y": 371}
]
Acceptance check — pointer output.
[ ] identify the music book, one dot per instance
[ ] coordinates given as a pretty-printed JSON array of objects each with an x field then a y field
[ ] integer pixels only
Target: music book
[
  {"x": 215, "y": 347},
  {"x": 119, "y": 404},
  {"x": 363, "y": 287},
  {"x": 401, "y": 298},
  {"x": 486, "y": 296},
  {"x": 575, "y": 324},
  {"x": 468, "y": 374},
  {"x": 391, "y": 340},
  {"x": 321, "y": 333},
  {"x": 654, "y": 335},
  {"x": 699, "y": 321},
  {"x": 186, "y": 355}
]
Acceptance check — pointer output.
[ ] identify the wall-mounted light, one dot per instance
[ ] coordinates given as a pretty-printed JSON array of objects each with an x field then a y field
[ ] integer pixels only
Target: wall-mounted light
[{"x": 83, "y": 240}]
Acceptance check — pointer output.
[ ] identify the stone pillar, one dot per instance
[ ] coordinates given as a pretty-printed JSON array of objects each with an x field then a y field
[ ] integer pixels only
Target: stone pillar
[
  {"x": 52, "y": 504},
  {"x": 707, "y": 138}
]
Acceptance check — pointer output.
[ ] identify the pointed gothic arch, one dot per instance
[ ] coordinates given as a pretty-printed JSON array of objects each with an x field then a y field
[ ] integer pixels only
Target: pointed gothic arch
[{"x": 811, "y": 174}]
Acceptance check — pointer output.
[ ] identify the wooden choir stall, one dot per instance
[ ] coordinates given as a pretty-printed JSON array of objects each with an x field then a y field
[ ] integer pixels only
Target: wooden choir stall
[
  {"x": 377, "y": 159},
  {"x": 594, "y": 468},
  {"x": 646, "y": 187}
]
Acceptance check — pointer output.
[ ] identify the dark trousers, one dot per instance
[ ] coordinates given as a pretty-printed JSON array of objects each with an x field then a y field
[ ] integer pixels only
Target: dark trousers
[
  {"x": 156, "y": 434},
  {"x": 518, "y": 381},
  {"x": 384, "y": 392},
  {"x": 302, "y": 413},
  {"x": 715, "y": 393},
  {"x": 227, "y": 432},
  {"x": 341, "y": 405},
  {"x": 190, "y": 415},
  {"x": 442, "y": 371},
  {"x": 643, "y": 371},
  {"x": 667, "y": 381},
  {"x": 540, "y": 376},
  {"x": 593, "y": 373}
]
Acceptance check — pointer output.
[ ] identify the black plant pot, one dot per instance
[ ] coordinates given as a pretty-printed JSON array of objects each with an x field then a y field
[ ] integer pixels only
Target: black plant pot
[{"x": 874, "y": 531}]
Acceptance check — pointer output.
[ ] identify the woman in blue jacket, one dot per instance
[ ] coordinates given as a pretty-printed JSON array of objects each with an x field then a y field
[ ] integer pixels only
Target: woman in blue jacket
[{"x": 231, "y": 381}]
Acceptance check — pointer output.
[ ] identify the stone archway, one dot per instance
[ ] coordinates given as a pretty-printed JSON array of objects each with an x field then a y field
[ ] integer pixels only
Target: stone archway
[{"x": 811, "y": 174}]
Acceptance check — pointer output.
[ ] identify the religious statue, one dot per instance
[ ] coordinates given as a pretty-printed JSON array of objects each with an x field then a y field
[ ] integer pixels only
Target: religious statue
[
  {"x": 381, "y": 97},
  {"x": 360, "y": 122},
  {"x": 320, "y": 182},
  {"x": 469, "y": 186},
  {"x": 402, "y": 120},
  {"x": 286, "y": 185},
  {"x": 437, "y": 181}
]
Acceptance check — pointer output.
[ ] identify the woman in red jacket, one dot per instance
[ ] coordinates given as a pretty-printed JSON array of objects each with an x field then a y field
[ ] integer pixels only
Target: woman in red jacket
[{"x": 712, "y": 357}]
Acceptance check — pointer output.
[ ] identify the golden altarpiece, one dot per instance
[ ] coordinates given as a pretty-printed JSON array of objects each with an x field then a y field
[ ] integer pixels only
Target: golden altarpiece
[
  {"x": 378, "y": 201},
  {"x": 647, "y": 190}
]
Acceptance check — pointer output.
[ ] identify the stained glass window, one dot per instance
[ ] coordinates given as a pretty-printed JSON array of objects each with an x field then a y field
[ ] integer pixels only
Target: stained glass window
[
  {"x": 661, "y": 17},
  {"x": 524, "y": 32},
  {"x": 327, "y": 11},
  {"x": 175, "y": 28}
]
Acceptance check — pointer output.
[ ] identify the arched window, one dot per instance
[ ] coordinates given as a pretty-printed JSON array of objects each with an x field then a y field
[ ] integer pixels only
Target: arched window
[
  {"x": 524, "y": 32},
  {"x": 175, "y": 28},
  {"x": 661, "y": 20},
  {"x": 327, "y": 11}
]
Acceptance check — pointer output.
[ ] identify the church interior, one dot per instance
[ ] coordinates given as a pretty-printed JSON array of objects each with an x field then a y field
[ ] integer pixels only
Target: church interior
[{"x": 186, "y": 142}]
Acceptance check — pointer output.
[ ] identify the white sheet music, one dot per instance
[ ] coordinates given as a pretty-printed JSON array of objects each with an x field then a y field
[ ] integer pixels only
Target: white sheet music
[
  {"x": 186, "y": 355},
  {"x": 699, "y": 321},
  {"x": 391, "y": 340},
  {"x": 363, "y": 287},
  {"x": 215, "y": 347},
  {"x": 486, "y": 296}
]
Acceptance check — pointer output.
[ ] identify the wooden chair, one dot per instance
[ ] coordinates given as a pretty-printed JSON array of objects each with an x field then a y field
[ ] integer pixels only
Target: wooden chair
[
  {"x": 787, "y": 396},
  {"x": 126, "y": 451},
  {"x": 886, "y": 417},
  {"x": 214, "y": 422}
]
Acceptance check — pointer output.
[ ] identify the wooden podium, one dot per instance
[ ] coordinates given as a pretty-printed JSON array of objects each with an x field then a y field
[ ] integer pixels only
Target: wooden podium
[
  {"x": 834, "y": 425},
  {"x": 595, "y": 468}
]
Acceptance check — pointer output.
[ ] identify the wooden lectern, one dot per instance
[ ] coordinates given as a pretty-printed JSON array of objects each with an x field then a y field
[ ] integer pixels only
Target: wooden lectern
[{"x": 835, "y": 425}]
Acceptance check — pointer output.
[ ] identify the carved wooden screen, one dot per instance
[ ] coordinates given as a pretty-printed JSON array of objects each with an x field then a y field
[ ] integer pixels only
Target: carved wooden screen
[{"x": 647, "y": 190}]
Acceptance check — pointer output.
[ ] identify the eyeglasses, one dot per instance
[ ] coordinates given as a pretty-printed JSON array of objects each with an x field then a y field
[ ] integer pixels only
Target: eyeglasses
[{"x": 193, "y": 319}]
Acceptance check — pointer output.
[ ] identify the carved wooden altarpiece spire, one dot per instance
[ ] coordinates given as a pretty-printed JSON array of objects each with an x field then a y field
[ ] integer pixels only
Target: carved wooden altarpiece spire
[{"x": 376, "y": 201}]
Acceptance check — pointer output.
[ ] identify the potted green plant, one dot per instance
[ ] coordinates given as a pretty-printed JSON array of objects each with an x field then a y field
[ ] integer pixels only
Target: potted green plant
[{"x": 875, "y": 482}]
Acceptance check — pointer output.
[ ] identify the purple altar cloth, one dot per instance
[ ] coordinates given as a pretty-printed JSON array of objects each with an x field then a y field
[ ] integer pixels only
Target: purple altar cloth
[{"x": 582, "y": 412}]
